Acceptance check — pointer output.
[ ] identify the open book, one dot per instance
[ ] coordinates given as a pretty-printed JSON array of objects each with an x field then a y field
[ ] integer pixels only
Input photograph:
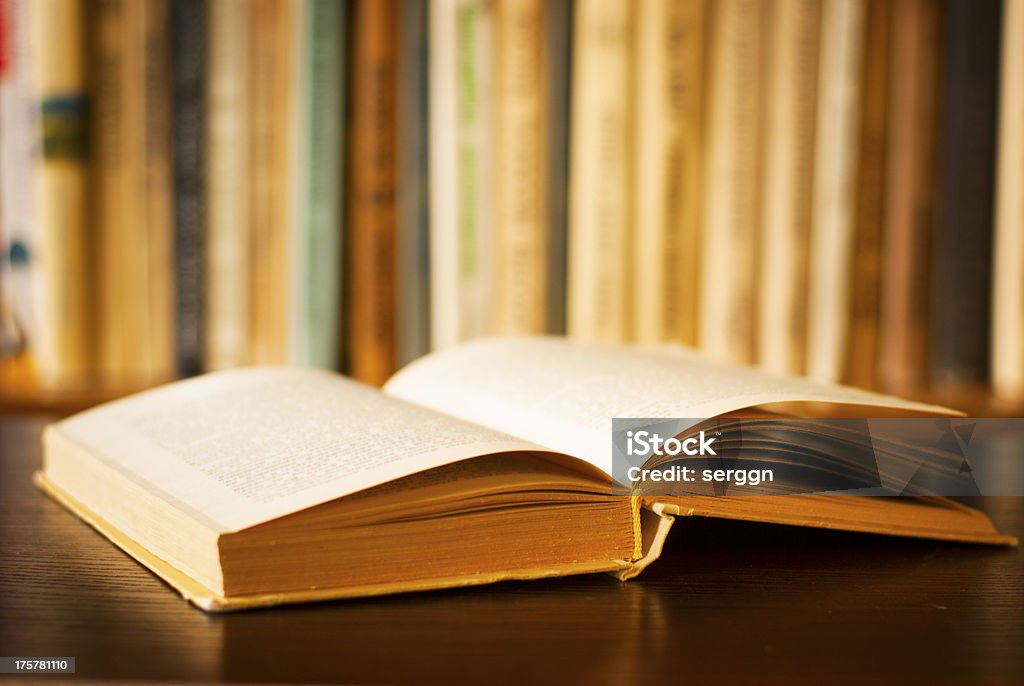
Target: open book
[{"x": 483, "y": 462}]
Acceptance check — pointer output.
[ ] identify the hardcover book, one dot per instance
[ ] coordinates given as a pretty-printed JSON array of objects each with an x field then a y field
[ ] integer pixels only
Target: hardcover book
[{"x": 486, "y": 461}]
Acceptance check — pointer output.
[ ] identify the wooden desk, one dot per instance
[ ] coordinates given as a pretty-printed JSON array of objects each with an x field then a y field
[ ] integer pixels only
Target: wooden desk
[{"x": 728, "y": 603}]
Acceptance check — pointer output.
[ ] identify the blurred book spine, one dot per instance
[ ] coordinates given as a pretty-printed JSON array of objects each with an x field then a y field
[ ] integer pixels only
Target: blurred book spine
[
  {"x": 271, "y": 68},
  {"x": 60, "y": 258},
  {"x": 600, "y": 171},
  {"x": 519, "y": 243},
  {"x": 228, "y": 228},
  {"x": 668, "y": 155},
  {"x": 372, "y": 195},
  {"x": 188, "y": 67},
  {"x": 558, "y": 81},
  {"x": 1007, "y": 374},
  {"x": 22, "y": 283},
  {"x": 964, "y": 193},
  {"x": 861, "y": 362},
  {"x": 414, "y": 308},
  {"x": 316, "y": 306},
  {"x": 909, "y": 187},
  {"x": 835, "y": 176},
  {"x": 732, "y": 198},
  {"x": 791, "y": 105}
]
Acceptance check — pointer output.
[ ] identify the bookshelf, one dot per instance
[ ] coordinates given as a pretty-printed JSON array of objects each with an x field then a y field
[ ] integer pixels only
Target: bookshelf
[{"x": 349, "y": 185}]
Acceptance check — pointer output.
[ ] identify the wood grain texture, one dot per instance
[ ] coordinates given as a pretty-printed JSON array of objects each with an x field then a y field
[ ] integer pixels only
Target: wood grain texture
[{"x": 730, "y": 602}]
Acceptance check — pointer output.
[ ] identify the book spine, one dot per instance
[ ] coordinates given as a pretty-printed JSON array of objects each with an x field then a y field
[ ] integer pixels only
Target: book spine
[
  {"x": 318, "y": 249},
  {"x": 909, "y": 169},
  {"x": 155, "y": 274},
  {"x": 227, "y": 186},
  {"x": 965, "y": 183},
  {"x": 23, "y": 322},
  {"x": 600, "y": 190},
  {"x": 414, "y": 192},
  {"x": 558, "y": 80},
  {"x": 791, "y": 105},
  {"x": 57, "y": 299},
  {"x": 372, "y": 192},
  {"x": 861, "y": 358},
  {"x": 271, "y": 130},
  {"x": 1007, "y": 373},
  {"x": 669, "y": 75},
  {"x": 443, "y": 161},
  {"x": 732, "y": 194},
  {"x": 118, "y": 140},
  {"x": 519, "y": 225},
  {"x": 835, "y": 174},
  {"x": 188, "y": 54},
  {"x": 474, "y": 165}
]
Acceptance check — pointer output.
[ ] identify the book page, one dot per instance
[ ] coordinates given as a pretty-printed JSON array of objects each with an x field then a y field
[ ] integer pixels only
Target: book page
[
  {"x": 563, "y": 394},
  {"x": 238, "y": 448}
]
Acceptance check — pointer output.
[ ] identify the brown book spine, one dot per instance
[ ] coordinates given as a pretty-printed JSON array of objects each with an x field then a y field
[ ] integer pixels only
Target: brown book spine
[
  {"x": 271, "y": 74},
  {"x": 156, "y": 360},
  {"x": 862, "y": 353},
  {"x": 910, "y": 167},
  {"x": 372, "y": 211}
]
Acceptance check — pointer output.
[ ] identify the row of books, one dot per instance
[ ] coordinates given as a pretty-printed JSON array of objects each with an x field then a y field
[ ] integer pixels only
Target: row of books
[{"x": 831, "y": 188}]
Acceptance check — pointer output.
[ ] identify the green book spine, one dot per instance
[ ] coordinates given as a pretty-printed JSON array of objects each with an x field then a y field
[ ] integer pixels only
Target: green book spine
[{"x": 316, "y": 330}]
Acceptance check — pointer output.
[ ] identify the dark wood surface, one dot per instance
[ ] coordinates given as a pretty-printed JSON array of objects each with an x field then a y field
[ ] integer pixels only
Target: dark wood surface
[{"x": 728, "y": 603}]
